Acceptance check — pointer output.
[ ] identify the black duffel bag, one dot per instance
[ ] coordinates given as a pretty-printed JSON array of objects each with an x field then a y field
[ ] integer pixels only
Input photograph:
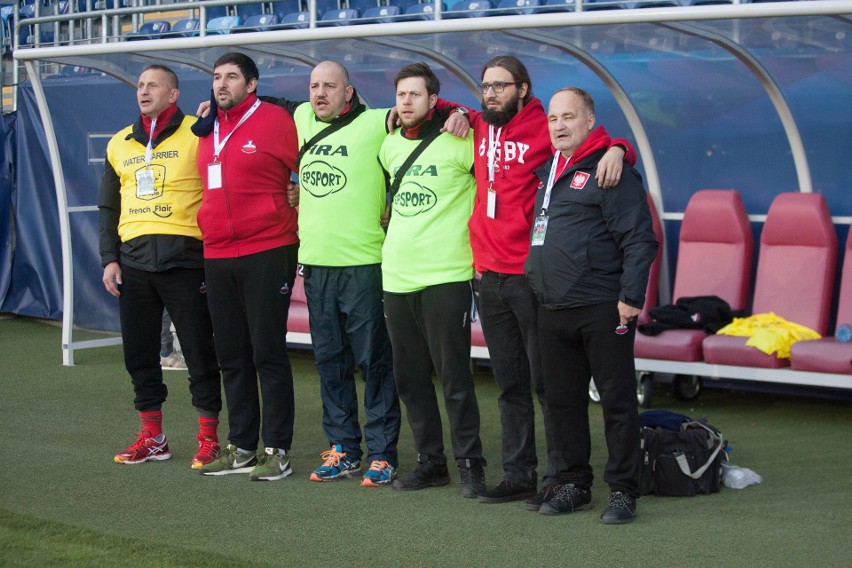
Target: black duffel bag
[{"x": 681, "y": 457}]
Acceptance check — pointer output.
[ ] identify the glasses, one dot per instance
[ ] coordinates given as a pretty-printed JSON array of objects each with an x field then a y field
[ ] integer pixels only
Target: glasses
[{"x": 498, "y": 86}]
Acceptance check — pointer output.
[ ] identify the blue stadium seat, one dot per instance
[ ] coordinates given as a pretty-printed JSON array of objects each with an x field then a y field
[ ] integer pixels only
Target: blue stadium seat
[
  {"x": 510, "y": 7},
  {"x": 657, "y": 4},
  {"x": 184, "y": 28},
  {"x": 469, "y": 9},
  {"x": 557, "y": 6},
  {"x": 150, "y": 30},
  {"x": 338, "y": 17},
  {"x": 422, "y": 12},
  {"x": 591, "y": 5},
  {"x": 245, "y": 11},
  {"x": 256, "y": 23},
  {"x": 381, "y": 14},
  {"x": 295, "y": 20},
  {"x": 222, "y": 26}
]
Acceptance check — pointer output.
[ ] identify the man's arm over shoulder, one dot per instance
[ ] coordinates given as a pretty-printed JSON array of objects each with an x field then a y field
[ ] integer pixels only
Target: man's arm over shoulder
[
  {"x": 289, "y": 139},
  {"x": 288, "y": 105},
  {"x": 629, "y": 150}
]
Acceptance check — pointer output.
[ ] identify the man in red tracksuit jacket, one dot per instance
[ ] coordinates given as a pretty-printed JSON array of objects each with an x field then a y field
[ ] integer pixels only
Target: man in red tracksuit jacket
[
  {"x": 250, "y": 250},
  {"x": 511, "y": 142}
]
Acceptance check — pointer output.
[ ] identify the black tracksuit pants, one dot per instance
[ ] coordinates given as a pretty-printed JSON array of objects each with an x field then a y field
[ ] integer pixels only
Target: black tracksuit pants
[
  {"x": 249, "y": 298},
  {"x": 431, "y": 329},
  {"x": 181, "y": 291},
  {"x": 577, "y": 344}
]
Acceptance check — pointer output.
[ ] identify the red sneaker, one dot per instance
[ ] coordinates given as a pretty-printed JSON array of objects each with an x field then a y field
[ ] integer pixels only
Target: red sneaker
[
  {"x": 208, "y": 451},
  {"x": 143, "y": 449}
]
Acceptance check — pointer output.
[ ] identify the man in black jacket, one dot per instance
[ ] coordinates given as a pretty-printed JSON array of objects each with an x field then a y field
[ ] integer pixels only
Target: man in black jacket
[{"x": 590, "y": 254}]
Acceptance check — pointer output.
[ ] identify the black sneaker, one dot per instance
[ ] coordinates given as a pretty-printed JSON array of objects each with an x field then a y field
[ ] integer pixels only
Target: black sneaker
[
  {"x": 427, "y": 473},
  {"x": 567, "y": 498},
  {"x": 472, "y": 479},
  {"x": 546, "y": 494},
  {"x": 507, "y": 491},
  {"x": 620, "y": 510}
]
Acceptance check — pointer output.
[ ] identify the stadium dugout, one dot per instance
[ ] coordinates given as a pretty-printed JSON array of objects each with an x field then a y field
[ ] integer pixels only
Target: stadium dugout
[{"x": 745, "y": 96}]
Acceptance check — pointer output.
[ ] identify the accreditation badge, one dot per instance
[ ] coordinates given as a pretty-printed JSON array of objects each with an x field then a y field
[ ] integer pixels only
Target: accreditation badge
[
  {"x": 491, "y": 209},
  {"x": 214, "y": 175},
  {"x": 145, "y": 183},
  {"x": 539, "y": 230}
]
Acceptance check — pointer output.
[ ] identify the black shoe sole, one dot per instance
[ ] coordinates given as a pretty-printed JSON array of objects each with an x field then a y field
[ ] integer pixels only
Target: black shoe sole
[
  {"x": 617, "y": 520},
  {"x": 507, "y": 498},
  {"x": 545, "y": 509},
  {"x": 426, "y": 485}
]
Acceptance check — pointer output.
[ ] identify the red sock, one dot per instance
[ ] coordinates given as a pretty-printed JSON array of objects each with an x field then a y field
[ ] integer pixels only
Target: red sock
[
  {"x": 152, "y": 422},
  {"x": 207, "y": 427}
]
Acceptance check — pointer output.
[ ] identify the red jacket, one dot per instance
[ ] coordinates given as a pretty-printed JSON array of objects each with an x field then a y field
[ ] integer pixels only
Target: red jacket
[
  {"x": 501, "y": 244},
  {"x": 249, "y": 213}
]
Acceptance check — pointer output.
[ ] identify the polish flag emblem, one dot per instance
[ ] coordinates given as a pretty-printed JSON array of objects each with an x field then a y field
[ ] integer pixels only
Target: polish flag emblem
[
  {"x": 579, "y": 181},
  {"x": 249, "y": 148}
]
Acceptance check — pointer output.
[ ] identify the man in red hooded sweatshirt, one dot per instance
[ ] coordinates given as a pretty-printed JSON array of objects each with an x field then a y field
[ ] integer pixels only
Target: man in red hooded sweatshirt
[
  {"x": 590, "y": 253},
  {"x": 250, "y": 249},
  {"x": 510, "y": 143}
]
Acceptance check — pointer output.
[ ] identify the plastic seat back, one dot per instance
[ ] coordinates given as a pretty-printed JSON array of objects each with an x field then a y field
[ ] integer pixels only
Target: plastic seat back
[
  {"x": 652, "y": 290},
  {"x": 469, "y": 9},
  {"x": 509, "y": 7},
  {"x": 798, "y": 253},
  {"x": 844, "y": 302},
  {"x": 256, "y": 23},
  {"x": 222, "y": 25},
  {"x": 423, "y": 11},
  {"x": 715, "y": 248},
  {"x": 296, "y": 20},
  {"x": 187, "y": 27},
  {"x": 339, "y": 17},
  {"x": 383, "y": 14},
  {"x": 150, "y": 30}
]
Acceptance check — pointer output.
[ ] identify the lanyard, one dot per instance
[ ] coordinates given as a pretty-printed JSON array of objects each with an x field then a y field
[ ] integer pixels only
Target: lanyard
[
  {"x": 218, "y": 146},
  {"x": 493, "y": 143},
  {"x": 149, "y": 148},
  {"x": 551, "y": 179}
]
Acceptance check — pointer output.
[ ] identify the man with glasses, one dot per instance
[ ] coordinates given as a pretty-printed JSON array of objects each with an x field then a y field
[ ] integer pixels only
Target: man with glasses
[{"x": 510, "y": 142}]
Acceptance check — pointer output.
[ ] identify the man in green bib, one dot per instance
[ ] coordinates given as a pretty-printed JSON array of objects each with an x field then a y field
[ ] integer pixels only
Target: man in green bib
[
  {"x": 341, "y": 200},
  {"x": 428, "y": 267}
]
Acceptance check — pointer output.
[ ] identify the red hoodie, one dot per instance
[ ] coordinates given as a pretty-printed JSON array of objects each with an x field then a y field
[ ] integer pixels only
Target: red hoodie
[
  {"x": 249, "y": 213},
  {"x": 501, "y": 244}
]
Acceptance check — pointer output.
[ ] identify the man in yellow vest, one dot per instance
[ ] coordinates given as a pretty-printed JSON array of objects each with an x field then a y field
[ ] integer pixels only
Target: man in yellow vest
[{"x": 151, "y": 251}]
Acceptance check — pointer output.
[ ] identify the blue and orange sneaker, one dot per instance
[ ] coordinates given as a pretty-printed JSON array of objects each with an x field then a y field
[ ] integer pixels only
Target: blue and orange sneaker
[
  {"x": 336, "y": 466},
  {"x": 380, "y": 473}
]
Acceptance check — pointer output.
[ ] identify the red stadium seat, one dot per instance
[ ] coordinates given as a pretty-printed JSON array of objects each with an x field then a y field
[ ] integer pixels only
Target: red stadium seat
[
  {"x": 827, "y": 355},
  {"x": 652, "y": 290},
  {"x": 714, "y": 259},
  {"x": 795, "y": 275},
  {"x": 297, "y": 321}
]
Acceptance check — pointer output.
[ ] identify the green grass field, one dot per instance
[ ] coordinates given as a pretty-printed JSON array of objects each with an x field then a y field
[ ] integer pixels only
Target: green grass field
[{"x": 63, "y": 502}]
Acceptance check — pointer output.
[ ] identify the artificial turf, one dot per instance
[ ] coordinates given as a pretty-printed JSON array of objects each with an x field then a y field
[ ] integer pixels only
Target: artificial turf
[{"x": 63, "y": 502}]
